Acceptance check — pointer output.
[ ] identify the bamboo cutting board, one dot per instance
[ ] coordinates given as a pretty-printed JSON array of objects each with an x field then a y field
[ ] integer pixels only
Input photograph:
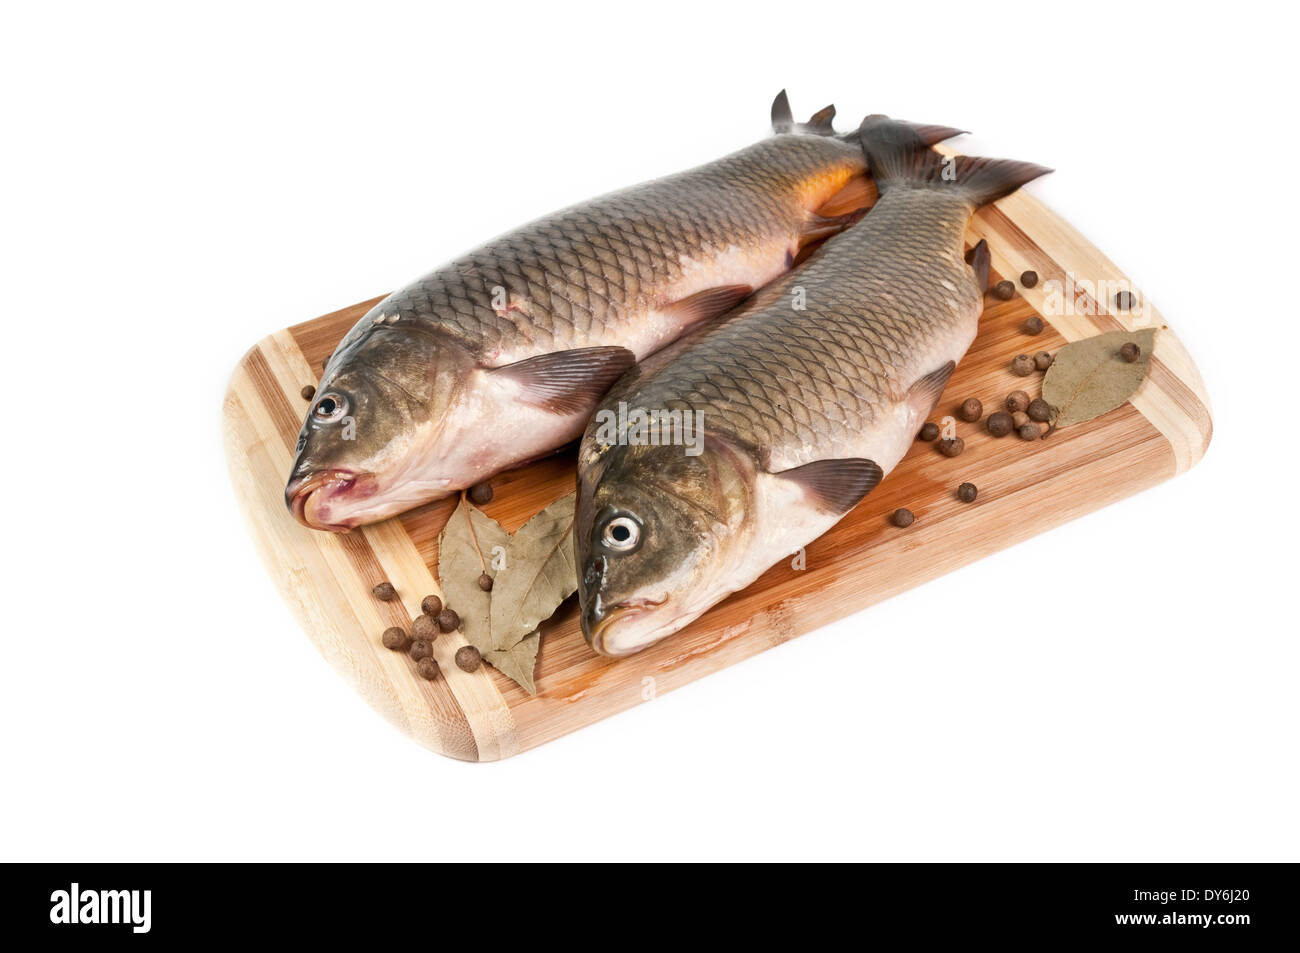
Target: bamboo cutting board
[{"x": 1024, "y": 489}]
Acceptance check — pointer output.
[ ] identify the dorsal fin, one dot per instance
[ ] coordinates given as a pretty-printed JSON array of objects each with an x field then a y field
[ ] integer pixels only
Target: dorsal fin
[
  {"x": 821, "y": 120},
  {"x": 782, "y": 117}
]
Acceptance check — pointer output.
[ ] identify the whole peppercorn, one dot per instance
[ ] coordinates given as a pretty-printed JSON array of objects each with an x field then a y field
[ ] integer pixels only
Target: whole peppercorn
[
  {"x": 308, "y": 392},
  {"x": 431, "y": 605},
  {"x": 970, "y": 410},
  {"x": 902, "y": 517},
  {"x": 1019, "y": 419},
  {"x": 952, "y": 446},
  {"x": 1125, "y": 299},
  {"x": 424, "y": 628},
  {"x": 1130, "y": 352},
  {"x": 1029, "y": 431},
  {"x": 385, "y": 592},
  {"x": 468, "y": 658},
  {"x": 1033, "y": 325},
  {"x": 421, "y": 649},
  {"x": 448, "y": 621},
  {"x": 1000, "y": 423},
  {"x": 485, "y": 582},
  {"x": 1029, "y": 278},
  {"x": 1023, "y": 365},
  {"x": 1039, "y": 410},
  {"x": 1004, "y": 291},
  {"x": 967, "y": 492},
  {"x": 395, "y": 638},
  {"x": 1043, "y": 360},
  {"x": 929, "y": 431},
  {"x": 428, "y": 668},
  {"x": 1017, "y": 400},
  {"x": 480, "y": 493}
]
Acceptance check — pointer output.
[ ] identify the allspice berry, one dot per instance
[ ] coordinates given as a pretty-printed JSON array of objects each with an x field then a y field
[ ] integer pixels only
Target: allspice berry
[
  {"x": 468, "y": 658},
  {"x": 428, "y": 668},
  {"x": 1125, "y": 299},
  {"x": 929, "y": 431},
  {"x": 421, "y": 649},
  {"x": 395, "y": 638},
  {"x": 1043, "y": 360},
  {"x": 970, "y": 410},
  {"x": 1019, "y": 419},
  {"x": 1000, "y": 423},
  {"x": 424, "y": 628},
  {"x": 902, "y": 517},
  {"x": 385, "y": 592},
  {"x": 1039, "y": 410},
  {"x": 1029, "y": 279},
  {"x": 431, "y": 605},
  {"x": 448, "y": 621},
  {"x": 952, "y": 446},
  {"x": 1130, "y": 351},
  {"x": 1017, "y": 400},
  {"x": 967, "y": 492},
  {"x": 480, "y": 493},
  {"x": 1033, "y": 325},
  {"x": 308, "y": 392},
  {"x": 1023, "y": 365},
  {"x": 1029, "y": 431},
  {"x": 1004, "y": 291},
  {"x": 485, "y": 582}
]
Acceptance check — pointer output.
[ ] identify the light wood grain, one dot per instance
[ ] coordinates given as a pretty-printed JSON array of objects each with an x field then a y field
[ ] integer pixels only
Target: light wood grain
[{"x": 1024, "y": 489}]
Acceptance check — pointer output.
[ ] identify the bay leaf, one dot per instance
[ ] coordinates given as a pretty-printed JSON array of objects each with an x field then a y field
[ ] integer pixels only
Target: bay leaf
[
  {"x": 518, "y": 661},
  {"x": 1089, "y": 377},
  {"x": 465, "y": 550},
  {"x": 539, "y": 573}
]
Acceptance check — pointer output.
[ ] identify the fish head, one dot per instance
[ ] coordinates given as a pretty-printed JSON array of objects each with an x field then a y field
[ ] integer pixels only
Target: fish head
[
  {"x": 658, "y": 533},
  {"x": 364, "y": 448}
]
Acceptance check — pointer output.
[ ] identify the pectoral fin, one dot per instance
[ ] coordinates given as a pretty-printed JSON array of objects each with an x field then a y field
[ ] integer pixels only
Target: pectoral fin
[
  {"x": 836, "y": 485},
  {"x": 980, "y": 260},
  {"x": 567, "y": 382}
]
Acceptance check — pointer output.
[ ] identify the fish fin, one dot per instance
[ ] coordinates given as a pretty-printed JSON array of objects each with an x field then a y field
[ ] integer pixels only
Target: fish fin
[
  {"x": 836, "y": 485},
  {"x": 899, "y": 155},
  {"x": 782, "y": 116},
  {"x": 980, "y": 260},
  {"x": 822, "y": 121},
  {"x": 818, "y": 227},
  {"x": 708, "y": 303},
  {"x": 924, "y": 394},
  {"x": 858, "y": 193},
  {"x": 567, "y": 382}
]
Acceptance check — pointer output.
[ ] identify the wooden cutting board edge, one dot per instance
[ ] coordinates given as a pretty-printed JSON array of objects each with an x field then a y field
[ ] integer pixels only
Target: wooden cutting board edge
[{"x": 481, "y": 716}]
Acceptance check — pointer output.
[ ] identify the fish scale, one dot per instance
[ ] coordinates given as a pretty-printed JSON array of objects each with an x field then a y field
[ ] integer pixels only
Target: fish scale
[
  {"x": 585, "y": 272},
  {"x": 802, "y": 384}
]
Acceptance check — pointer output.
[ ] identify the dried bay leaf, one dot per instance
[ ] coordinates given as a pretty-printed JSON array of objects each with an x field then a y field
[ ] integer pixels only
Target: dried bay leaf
[
  {"x": 539, "y": 573},
  {"x": 518, "y": 661},
  {"x": 465, "y": 553},
  {"x": 1089, "y": 378}
]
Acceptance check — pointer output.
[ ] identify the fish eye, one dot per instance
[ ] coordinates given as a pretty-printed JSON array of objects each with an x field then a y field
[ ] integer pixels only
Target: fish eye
[
  {"x": 330, "y": 407},
  {"x": 621, "y": 534}
]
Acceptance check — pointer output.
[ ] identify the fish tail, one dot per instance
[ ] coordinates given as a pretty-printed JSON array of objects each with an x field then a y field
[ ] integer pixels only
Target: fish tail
[{"x": 899, "y": 155}]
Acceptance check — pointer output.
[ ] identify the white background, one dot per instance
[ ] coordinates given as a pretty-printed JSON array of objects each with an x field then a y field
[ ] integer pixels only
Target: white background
[{"x": 179, "y": 182}]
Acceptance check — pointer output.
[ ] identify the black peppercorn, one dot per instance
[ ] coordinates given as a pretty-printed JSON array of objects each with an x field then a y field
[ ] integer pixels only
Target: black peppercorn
[{"x": 468, "y": 658}]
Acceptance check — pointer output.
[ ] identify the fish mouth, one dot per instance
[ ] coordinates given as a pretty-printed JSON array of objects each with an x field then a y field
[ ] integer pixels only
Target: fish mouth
[
  {"x": 309, "y": 498},
  {"x": 598, "y": 620}
]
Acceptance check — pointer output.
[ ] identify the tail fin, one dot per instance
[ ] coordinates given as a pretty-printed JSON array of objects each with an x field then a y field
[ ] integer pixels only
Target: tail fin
[{"x": 899, "y": 155}]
